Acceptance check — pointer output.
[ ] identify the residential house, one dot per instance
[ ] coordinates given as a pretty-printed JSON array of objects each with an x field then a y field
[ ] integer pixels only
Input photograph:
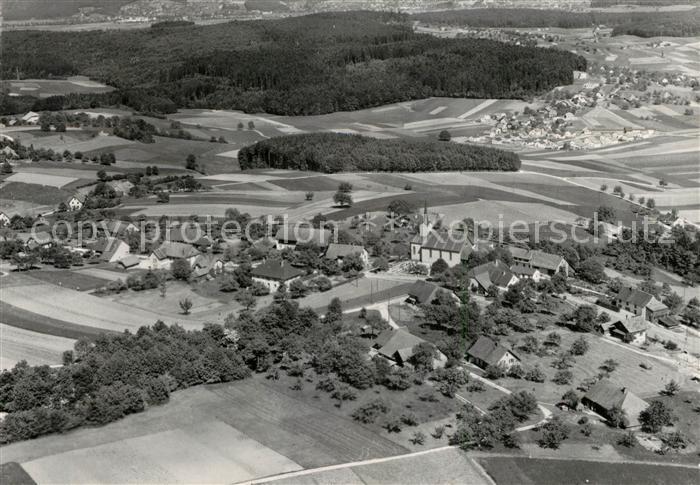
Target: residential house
[
  {"x": 31, "y": 118},
  {"x": 76, "y": 202},
  {"x": 207, "y": 265},
  {"x": 422, "y": 292},
  {"x": 110, "y": 249},
  {"x": 631, "y": 330},
  {"x": 493, "y": 273},
  {"x": 113, "y": 227},
  {"x": 338, "y": 252},
  {"x": 121, "y": 187},
  {"x": 640, "y": 303},
  {"x": 397, "y": 346},
  {"x": 605, "y": 395},
  {"x": 485, "y": 352},
  {"x": 428, "y": 249},
  {"x": 548, "y": 264},
  {"x": 4, "y": 219},
  {"x": 289, "y": 236},
  {"x": 167, "y": 252},
  {"x": 274, "y": 273},
  {"x": 526, "y": 272},
  {"x": 189, "y": 233},
  {"x": 35, "y": 240}
]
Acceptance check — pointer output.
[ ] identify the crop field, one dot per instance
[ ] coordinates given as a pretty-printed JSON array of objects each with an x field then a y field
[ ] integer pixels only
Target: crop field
[
  {"x": 76, "y": 280},
  {"x": 20, "y": 207},
  {"x": 73, "y": 140},
  {"x": 44, "y": 88},
  {"x": 36, "y": 348},
  {"x": 42, "y": 324},
  {"x": 630, "y": 374},
  {"x": 39, "y": 195},
  {"x": 529, "y": 471},
  {"x": 80, "y": 308},
  {"x": 57, "y": 181},
  {"x": 76, "y": 171}
]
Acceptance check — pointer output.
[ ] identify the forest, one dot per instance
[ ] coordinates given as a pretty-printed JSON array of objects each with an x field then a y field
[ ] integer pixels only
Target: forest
[
  {"x": 306, "y": 65},
  {"x": 642, "y": 24},
  {"x": 336, "y": 152}
]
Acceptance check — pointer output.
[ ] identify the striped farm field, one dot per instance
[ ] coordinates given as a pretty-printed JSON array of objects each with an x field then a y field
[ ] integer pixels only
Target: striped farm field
[
  {"x": 57, "y": 181},
  {"x": 36, "y": 348}
]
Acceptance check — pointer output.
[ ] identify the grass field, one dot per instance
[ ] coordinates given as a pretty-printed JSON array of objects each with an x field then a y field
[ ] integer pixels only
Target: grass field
[
  {"x": 43, "y": 324},
  {"x": 35, "y": 348},
  {"x": 43, "y": 88},
  {"x": 75, "y": 280},
  {"x": 525, "y": 471},
  {"x": 56, "y": 181},
  {"x": 13, "y": 473},
  {"x": 33, "y": 193}
]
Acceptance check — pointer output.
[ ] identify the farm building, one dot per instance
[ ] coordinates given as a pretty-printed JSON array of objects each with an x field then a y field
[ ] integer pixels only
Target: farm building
[
  {"x": 189, "y": 234},
  {"x": 397, "y": 346},
  {"x": 76, "y": 202},
  {"x": 34, "y": 240},
  {"x": 4, "y": 219},
  {"x": 289, "y": 236},
  {"x": 485, "y": 352},
  {"x": 604, "y": 395},
  {"x": 130, "y": 261},
  {"x": 430, "y": 248},
  {"x": 113, "y": 227},
  {"x": 207, "y": 265},
  {"x": 631, "y": 330},
  {"x": 526, "y": 272},
  {"x": 421, "y": 292},
  {"x": 31, "y": 118},
  {"x": 338, "y": 252},
  {"x": 668, "y": 321},
  {"x": 494, "y": 273},
  {"x": 273, "y": 273},
  {"x": 110, "y": 249},
  {"x": 163, "y": 257},
  {"x": 121, "y": 187},
  {"x": 640, "y": 303},
  {"x": 548, "y": 264}
]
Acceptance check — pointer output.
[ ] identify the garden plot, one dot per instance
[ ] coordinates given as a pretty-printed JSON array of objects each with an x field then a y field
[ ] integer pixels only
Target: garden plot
[
  {"x": 57, "y": 181},
  {"x": 36, "y": 348}
]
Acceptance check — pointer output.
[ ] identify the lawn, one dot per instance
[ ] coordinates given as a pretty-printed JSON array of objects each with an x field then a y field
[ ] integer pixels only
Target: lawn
[
  {"x": 43, "y": 324},
  {"x": 36, "y": 348},
  {"x": 526, "y": 471},
  {"x": 13, "y": 473},
  {"x": 37, "y": 194},
  {"x": 76, "y": 280}
]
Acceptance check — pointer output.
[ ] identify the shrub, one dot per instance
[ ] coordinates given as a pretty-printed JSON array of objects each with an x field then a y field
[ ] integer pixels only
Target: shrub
[
  {"x": 368, "y": 413},
  {"x": 553, "y": 432},
  {"x": 627, "y": 440},
  {"x": 535, "y": 374}
]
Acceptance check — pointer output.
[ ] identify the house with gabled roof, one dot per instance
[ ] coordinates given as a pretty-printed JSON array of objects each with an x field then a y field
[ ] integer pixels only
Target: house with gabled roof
[
  {"x": 76, "y": 201},
  {"x": 130, "y": 261},
  {"x": 526, "y": 272},
  {"x": 110, "y": 249},
  {"x": 486, "y": 352},
  {"x": 274, "y": 273},
  {"x": 631, "y": 330},
  {"x": 4, "y": 219},
  {"x": 291, "y": 235},
  {"x": 493, "y": 273},
  {"x": 397, "y": 346},
  {"x": 423, "y": 292},
  {"x": 433, "y": 246},
  {"x": 548, "y": 264},
  {"x": 605, "y": 395},
  {"x": 207, "y": 265},
  {"x": 338, "y": 252},
  {"x": 640, "y": 303},
  {"x": 167, "y": 252}
]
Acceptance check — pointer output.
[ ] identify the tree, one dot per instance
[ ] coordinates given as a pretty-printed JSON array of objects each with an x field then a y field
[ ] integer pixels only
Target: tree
[
  {"x": 246, "y": 299},
  {"x": 191, "y": 162},
  {"x": 438, "y": 267},
  {"x": 553, "y": 339},
  {"x": 162, "y": 197},
  {"x": 563, "y": 377},
  {"x": 309, "y": 195},
  {"x": 345, "y": 187},
  {"x": 609, "y": 365},
  {"x": 606, "y": 214},
  {"x": 101, "y": 175},
  {"x": 185, "y": 306},
  {"x": 6, "y": 168},
  {"x": 604, "y": 188},
  {"x": 651, "y": 203},
  {"x": 181, "y": 269},
  {"x": 592, "y": 271},
  {"x": 423, "y": 356},
  {"x": 444, "y": 136},
  {"x": 400, "y": 207},
  {"x": 298, "y": 289},
  {"x": 335, "y": 311},
  {"x": 418, "y": 438},
  {"x": 617, "y": 417},
  {"x": 584, "y": 318},
  {"x": 251, "y": 125},
  {"x": 571, "y": 399},
  {"x": 342, "y": 199},
  {"x": 240, "y": 126},
  {"x": 672, "y": 387},
  {"x": 535, "y": 374},
  {"x": 579, "y": 346},
  {"x": 674, "y": 302},
  {"x": 553, "y": 432},
  {"x": 656, "y": 416}
]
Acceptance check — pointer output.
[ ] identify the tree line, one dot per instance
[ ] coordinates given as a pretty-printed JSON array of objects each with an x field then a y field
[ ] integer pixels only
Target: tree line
[
  {"x": 336, "y": 152},
  {"x": 297, "y": 66}
]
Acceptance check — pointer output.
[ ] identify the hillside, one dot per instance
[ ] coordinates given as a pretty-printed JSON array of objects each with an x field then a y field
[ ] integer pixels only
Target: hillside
[
  {"x": 296, "y": 66},
  {"x": 335, "y": 152}
]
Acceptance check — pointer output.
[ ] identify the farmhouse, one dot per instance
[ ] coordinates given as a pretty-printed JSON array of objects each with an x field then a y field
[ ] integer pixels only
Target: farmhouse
[
  {"x": 4, "y": 219},
  {"x": 39, "y": 239},
  {"x": 113, "y": 227},
  {"x": 110, "y": 249},
  {"x": 130, "y": 261},
  {"x": 338, "y": 252},
  {"x": 430, "y": 248},
  {"x": 526, "y": 272},
  {"x": 668, "y": 321},
  {"x": 289, "y": 236},
  {"x": 31, "y": 118},
  {"x": 76, "y": 202},
  {"x": 631, "y": 330},
  {"x": 494, "y": 273},
  {"x": 605, "y": 395},
  {"x": 640, "y": 303},
  {"x": 485, "y": 352},
  {"x": 397, "y": 346},
  {"x": 121, "y": 187},
  {"x": 548, "y": 264},
  {"x": 163, "y": 257},
  {"x": 421, "y": 292},
  {"x": 207, "y": 265},
  {"x": 274, "y": 273}
]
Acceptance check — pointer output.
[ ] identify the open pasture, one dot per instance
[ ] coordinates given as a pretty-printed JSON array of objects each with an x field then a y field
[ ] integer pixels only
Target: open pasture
[
  {"x": 43, "y": 88},
  {"x": 20, "y": 207},
  {"x": 38, "y": 195},
  {"x": 643, "y": 382},
  {"x": 508, "y": 212},
  {"x": 72, "y": 140},
  {"x": 36, "y": 348},
  {"x": 42, "y": 324},
  {"x": 57, "y": 181}
]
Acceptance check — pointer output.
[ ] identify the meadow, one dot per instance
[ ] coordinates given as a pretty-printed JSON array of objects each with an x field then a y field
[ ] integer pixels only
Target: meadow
[{"x": 35, "y": 348}]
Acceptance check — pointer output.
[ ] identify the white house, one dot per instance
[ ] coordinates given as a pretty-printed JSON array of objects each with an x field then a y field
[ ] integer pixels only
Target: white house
[
  {"x": 76, "y": 202},
  {"x": 548, "y": 264},
  {"x": 31, "y": 118},
  {"x": 493, "y": 273},
  {"x": 435, "y": 246},
  {"x": 485, "y": 352},
  {"x": 338, "y": 252},
  {"x": 526, "y": 272},
  {"x": 163, "y": 257},
  {"x": 111, "y": 249},
  {"x": 4, "y": 219},
  {"x": 274, "y": 273}
]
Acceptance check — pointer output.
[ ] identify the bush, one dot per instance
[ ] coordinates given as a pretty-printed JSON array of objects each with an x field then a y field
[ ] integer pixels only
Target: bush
[
  {"x": 627, "y": 440},
  {"x": 409, "y": 419},
  {"x": 368, "y": 413},
  {"x": 535, "y": 374},
  {"x": 579, "y": 346},
  {"x": 494, "y": 372},
  {"x": 563, "y": 377},
  {"x": 418, "y": 438},
  {"x": 553, "y": 432}
]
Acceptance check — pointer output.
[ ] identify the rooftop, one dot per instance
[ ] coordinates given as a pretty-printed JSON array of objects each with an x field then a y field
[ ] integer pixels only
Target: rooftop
[
  {"x": 277, "y": 270},
  {"x": 488, "y": 351}
]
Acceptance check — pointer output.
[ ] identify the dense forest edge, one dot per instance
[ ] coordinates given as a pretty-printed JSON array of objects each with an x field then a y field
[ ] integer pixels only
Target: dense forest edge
[
  {"x": 307, "y": 65},
  {"x": 336, "y": 152},
  {"x": 642, "y": 24}
]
